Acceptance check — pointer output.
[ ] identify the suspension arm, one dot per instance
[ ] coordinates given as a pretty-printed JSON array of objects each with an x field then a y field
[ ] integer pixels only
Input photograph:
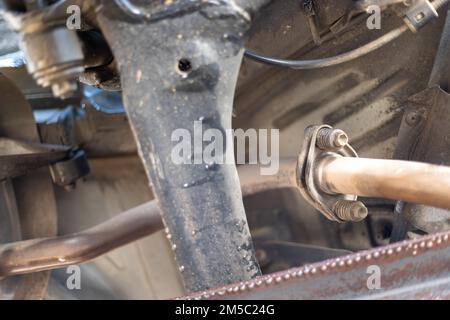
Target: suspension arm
[{"x": 179, "y": 64}]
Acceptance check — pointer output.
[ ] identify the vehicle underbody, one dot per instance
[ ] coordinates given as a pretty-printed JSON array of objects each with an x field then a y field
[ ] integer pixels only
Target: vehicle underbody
[{"x": 88, "y": 114}]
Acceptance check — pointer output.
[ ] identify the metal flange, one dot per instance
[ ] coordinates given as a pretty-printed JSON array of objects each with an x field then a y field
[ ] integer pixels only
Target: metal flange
[{"x": 321, "y": 143}]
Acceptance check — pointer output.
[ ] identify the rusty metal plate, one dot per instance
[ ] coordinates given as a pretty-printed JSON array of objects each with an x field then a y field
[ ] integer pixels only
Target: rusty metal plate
[{"x": 415, "y": 269}]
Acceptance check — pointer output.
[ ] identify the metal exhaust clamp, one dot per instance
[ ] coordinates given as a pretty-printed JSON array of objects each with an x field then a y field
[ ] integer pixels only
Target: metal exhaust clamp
[{"x": 321, "y": 143}]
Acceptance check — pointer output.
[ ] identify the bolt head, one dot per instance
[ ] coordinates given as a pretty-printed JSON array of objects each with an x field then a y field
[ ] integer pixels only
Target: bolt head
[{"x": 413, "y": 118}]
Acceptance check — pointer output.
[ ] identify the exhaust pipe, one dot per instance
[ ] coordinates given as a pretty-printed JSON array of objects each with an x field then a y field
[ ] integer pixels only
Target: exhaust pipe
[
  {"x": 390, "y": 179},
  {"x": 336, "y": 179}
]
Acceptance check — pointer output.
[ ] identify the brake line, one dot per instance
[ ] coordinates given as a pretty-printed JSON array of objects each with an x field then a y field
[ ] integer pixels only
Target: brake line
[
  {"x": 341, "y": 58},
  {"x": 331, "y": 61}
]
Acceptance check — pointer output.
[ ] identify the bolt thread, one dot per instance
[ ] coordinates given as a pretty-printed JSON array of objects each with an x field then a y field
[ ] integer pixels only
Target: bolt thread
[
  {"x": 331, "y": 138},
  {"x": 350, "y": 210},
  {"x": 323, "y": 138}
]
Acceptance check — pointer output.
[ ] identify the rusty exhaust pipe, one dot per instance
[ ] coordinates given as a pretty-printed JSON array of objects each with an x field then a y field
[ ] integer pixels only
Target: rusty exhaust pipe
[
  {"x": 391, "y": 179},
  {"x": 52, "y": 253},
  {"x": 409, "y": 181}
]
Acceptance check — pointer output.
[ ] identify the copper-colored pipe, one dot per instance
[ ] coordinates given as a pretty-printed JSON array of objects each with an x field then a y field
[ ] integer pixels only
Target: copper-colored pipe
[
  {"x": 390, "y": 179},
  {"x": 51, "y": 253},
  {"x": 253, "y": 182}
]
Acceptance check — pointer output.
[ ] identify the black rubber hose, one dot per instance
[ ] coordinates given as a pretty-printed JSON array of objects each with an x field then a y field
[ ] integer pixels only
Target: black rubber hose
[{"x": 331, "y": 61}]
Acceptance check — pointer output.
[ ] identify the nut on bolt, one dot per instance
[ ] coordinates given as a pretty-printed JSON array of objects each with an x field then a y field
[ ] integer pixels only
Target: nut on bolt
[
  {"x": 55, "y": 58},
  {"x": 328, "y": 138},
  {"x": 350, "y": 210}
]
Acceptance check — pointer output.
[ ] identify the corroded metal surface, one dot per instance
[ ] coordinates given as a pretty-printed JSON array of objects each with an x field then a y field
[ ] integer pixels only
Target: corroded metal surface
[
  {"x": 201, "y": 203},
  {"x": 390, "y": 179},
  {"x": 253, "y": 182},
  {"x": 51, "y": 253},
  {"x": 56, "y": 252},
  {"x": 415, "y": 269}
]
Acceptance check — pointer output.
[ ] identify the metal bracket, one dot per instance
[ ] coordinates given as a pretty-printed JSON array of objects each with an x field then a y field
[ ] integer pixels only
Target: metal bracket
[
  {"x": 18, "y": 157},
  {"x": 420, "y": 13},
  {"x": 66, "y": 173},
  {"x": 314, "y": 150}
]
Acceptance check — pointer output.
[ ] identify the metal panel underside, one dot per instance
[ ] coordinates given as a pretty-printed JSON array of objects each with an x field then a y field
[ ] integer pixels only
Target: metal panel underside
[{"x": 417, "y": 269}]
